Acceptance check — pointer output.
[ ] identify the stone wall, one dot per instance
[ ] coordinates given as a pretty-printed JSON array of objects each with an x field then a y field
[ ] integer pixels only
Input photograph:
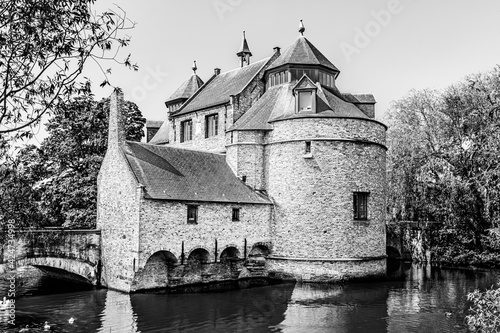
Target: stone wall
[
  {"x": 313, "y": 193},
  {"x": 118, "y": 200},
  {"x": 164, "y": 227},
  {"x": 76, "y": 251},
  {"x": 327, "y": 127},
  {"x": 246, "y": 156},
  {"x": 199, "y": 142}
]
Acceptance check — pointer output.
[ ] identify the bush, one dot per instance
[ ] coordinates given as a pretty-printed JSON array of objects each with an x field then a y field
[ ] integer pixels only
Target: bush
[{"x": 484, "y": 315}]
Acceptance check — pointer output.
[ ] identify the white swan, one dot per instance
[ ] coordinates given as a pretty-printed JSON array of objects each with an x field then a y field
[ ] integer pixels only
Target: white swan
[
  {"x": 71, "y": 320},
  {"x": 46, "y": 326},
  {"x": 4, "y": 304}
]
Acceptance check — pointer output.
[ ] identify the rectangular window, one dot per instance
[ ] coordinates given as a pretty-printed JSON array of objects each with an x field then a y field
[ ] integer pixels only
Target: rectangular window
[
  {"x": 308, "y": 147},
  {"x": 211, "y": 125},
  {"x": 192, "y": 214},
  {"x": 186, "y": 130},
  {"x": 305, "y": 101},
  {"x": 360, "y": 202},
  {"x": 236, "y": 214}
]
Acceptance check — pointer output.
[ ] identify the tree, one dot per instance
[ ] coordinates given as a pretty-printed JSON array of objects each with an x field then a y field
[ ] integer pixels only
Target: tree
[
  {"x": 56, "y": 184},
  {"x": 73, "y": 153},
  {"x": 443, "y": 161},
  {"x": 44, "y": 46}
]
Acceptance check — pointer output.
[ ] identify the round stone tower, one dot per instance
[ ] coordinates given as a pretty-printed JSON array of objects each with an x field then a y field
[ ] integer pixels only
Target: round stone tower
[{"x": 326, "y": 176}]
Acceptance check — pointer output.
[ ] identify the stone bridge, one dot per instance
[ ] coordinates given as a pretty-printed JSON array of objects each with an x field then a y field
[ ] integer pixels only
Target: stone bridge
[{"x": 55, "y": 251}]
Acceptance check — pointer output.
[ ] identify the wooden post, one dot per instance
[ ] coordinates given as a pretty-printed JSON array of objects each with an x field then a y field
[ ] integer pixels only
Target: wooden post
[
  {"x": 215, "y": 258},
  {"x": 182, "y": 253},
  {"x": 245, "y": 250}
]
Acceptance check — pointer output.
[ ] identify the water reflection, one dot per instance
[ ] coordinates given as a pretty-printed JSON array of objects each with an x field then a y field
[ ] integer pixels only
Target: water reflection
[
  {"x": 118, "y": 315},
  {"x": 245, "y": 310},
  {"x": 416, "y": 303}
]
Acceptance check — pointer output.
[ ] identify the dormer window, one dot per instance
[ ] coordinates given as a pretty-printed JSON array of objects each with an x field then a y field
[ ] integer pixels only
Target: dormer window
[
  {"x": 305, "y": 101},
  {"x": 305, "y": 95}
]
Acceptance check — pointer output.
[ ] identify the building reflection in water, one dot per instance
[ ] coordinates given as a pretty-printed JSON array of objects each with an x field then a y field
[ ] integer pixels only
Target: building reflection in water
[
  {"x": 118, "y": 315},
  {"x": 356, "y": 307},
  {"x": 248, "y": 310}
]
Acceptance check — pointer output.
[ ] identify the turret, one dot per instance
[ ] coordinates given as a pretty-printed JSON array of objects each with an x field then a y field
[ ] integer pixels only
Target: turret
[{"x": 244, "y": 52}]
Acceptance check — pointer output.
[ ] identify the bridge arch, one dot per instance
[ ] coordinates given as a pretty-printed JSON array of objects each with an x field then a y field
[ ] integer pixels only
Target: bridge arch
[
  {"x": 259, "y": 250},
  {"x": 87, "y": 272},
  {"x": 156, "y": 271},
  {"x": 230, "y": 253},
  {"x": 198, "y": 255}
]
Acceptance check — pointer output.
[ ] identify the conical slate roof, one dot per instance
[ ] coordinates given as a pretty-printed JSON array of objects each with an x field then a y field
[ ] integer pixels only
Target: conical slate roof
[
  {"x": 188, "y": 88},
  {"x": 302, "y": 52},
  {"x": 244, "y": 49}
]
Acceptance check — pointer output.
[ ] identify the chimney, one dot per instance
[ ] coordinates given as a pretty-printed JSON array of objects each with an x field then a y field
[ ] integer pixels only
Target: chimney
[
  {"x": 277, "y": 49},
  {"x": 217, "y": 71},
  {"x": 116, "y": 132}
]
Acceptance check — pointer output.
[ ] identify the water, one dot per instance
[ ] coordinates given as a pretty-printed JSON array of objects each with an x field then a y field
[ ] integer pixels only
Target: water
[{"x": 416, "y": 304}]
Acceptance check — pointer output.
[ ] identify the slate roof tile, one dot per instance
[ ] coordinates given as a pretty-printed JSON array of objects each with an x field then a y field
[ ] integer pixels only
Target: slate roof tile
[
  {"x": 169, "y": 173},
  {"x": 218, "y": 90},
  {"x": 188, "y": 88},
  {"x": 302, "y": 51}
]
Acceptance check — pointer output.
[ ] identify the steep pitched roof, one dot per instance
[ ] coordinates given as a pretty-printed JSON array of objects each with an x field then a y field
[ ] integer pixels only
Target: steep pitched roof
[
  {"x": 162, "y": 135},
  {"x": 279, "y": 103},
  {"x": 188, "y": 88},
  {"x": 302, "y": 51},
  {"x": 179, "y": 174},
  {"x": 276, "y": 100},
  {"x": 218, "y": 90}
]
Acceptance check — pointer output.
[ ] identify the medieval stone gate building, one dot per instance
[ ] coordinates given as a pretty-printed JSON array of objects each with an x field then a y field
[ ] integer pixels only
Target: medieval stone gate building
[{"x": 269, "y": 158}]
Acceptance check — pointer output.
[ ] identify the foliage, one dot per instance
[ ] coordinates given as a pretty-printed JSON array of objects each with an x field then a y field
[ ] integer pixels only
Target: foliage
[
  {"x": 443, "y": 162},
  {"x": 56, "y": 184},
  {"x": 44, "y": 46},
  {"x": 484, "y": 315}
]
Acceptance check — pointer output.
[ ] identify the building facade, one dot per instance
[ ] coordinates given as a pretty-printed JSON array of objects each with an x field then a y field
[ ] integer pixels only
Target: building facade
[{"x": 267, "y": 170}]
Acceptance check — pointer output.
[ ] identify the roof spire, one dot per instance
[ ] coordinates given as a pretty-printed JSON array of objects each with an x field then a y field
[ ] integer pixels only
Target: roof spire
[
  {"x": 244, "y": 52},
  {"x": 301, "y": 28},
  {"x": 194, "y": 68}
]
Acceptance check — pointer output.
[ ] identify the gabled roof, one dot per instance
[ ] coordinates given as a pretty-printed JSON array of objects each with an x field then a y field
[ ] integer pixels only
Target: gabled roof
[
  {"x": 179, "y": 174},
  {"x": 302, "y": 52},
  {"x": 218, "y": 90},
  {"x": 187, "y": 89}
]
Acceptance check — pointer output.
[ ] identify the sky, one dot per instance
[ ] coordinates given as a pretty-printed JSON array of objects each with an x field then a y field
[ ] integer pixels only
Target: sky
[{"x": 382, "y": 47}]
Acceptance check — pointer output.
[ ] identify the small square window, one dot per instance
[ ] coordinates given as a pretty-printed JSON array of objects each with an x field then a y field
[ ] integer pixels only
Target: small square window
[
  {"x": 192, "y": 214},
  {"x": 236, "y": 214},
  {"x": 360, "y": 205}
]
